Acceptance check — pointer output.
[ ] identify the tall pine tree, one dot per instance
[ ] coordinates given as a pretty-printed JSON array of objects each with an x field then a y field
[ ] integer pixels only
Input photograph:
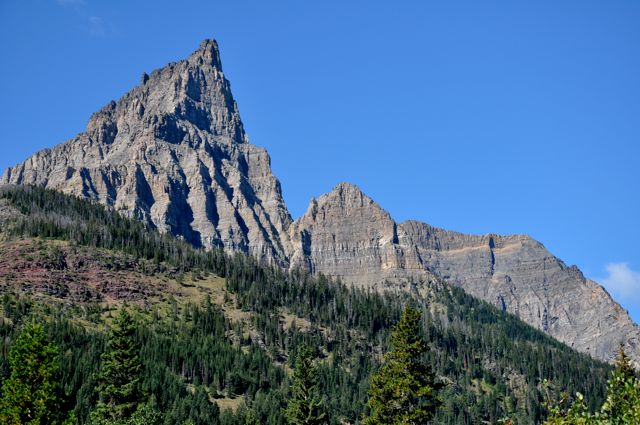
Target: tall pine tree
[
  {"x": 404, "y": 390},
  {"x": 29, "y": 395},
  {"x": 120, "y": 372},
  {"x": 305, "y": 406}
]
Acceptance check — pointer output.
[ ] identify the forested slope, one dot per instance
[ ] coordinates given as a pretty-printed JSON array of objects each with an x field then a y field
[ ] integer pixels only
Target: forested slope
[{"x": 218, "y": 333}]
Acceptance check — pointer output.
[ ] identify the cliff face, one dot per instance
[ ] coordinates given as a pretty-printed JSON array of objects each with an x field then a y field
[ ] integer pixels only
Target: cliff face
[
  {"x": 517, "y": 274},
  {"x": 345, "y": 233},
  {"x": 173, "y": 153}
]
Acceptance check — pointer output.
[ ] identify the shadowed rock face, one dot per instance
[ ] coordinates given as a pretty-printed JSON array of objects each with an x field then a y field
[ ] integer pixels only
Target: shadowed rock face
[{"x": 173, "y": 153}]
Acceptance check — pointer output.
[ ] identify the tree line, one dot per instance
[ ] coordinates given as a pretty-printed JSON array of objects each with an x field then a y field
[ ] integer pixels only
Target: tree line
[{"x": 404, "y": 390}]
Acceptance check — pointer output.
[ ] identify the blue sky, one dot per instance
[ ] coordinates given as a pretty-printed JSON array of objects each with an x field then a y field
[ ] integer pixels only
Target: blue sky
[{"x": 504, "y": 117}]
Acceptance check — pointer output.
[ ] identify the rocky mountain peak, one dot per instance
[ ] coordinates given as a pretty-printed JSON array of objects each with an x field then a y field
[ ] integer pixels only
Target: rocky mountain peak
[
  {"x": 188, "y": 101},
  {"x": 345, "y": 233},
  {"x": 346, "y": 199},
  {"x": 173, "y": 153},
  {"x": 347, "y": 193}
]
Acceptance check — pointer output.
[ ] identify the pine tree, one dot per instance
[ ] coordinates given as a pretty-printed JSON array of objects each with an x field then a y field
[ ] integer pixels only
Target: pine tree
[
  {"x": 120, "y": 372},
  {"x": 29, "y": 394},
  {"x": 305, "y": 406},
  {"x": 404, "y": 390}
]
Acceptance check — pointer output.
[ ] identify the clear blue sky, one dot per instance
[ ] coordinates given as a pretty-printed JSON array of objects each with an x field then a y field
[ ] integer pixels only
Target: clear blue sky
[{"x": 505, "y": 117}]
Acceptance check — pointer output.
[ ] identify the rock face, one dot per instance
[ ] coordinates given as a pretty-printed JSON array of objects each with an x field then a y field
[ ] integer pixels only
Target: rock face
[
  {"x": 346, "y": 234},
  {"x": 517, "y": 274},
  {"x": 173, "y": 153}
]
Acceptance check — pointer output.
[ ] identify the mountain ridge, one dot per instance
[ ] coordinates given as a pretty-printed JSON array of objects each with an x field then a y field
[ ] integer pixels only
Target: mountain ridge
[{"x": 173, "y": 153}]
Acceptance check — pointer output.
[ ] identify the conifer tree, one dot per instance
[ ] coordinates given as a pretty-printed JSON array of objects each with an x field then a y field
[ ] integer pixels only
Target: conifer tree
[
  {"x": 304, "y": 406},
  {"x": 29, "y": 394},
  {"x": 404, "y": 390},
  {"x": 120, "y": 372}
]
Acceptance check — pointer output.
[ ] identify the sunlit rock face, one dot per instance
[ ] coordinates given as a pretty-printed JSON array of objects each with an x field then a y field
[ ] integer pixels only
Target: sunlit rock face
[{"x": 346, "y": 234}]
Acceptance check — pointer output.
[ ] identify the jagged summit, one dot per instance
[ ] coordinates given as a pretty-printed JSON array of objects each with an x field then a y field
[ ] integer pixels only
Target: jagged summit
[
  {"x": 184, "y": 102},
  {"x": 345, "y": 233},
  {"x": 208, "y": 54},
  {"x": 173, "y": 152},
  {"x": 346, "y": 189}
]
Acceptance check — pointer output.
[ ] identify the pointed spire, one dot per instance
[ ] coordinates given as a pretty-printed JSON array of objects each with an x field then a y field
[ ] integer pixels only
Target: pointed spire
[{"x": 208, "y": 54}]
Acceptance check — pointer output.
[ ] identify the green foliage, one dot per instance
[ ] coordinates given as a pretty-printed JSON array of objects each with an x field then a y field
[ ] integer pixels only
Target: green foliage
[
  {"x": 305, "y": 406},
  {"x": 621, "y": 407},
  {"x": 186, "y": 362},
  {"x": 146, "y": 414},
  {"x": 29, "y": 395},
  {"x": 404, "y": 390},
  {"x": 576, "y": 414},
  {"x": 120, "y": 373},
  {"x": 250, "y": 419}
]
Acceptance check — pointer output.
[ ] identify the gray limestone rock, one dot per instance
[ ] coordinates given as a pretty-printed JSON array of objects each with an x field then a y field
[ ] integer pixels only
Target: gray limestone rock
[
  {"x": 346, "y": 234},
  {"x": 518, "y": 275}
]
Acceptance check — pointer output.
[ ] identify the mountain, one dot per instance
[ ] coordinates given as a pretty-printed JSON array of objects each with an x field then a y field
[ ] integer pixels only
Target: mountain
[
  {"x": 173, "y": 153},
  {"x": 346, "y": 234}
]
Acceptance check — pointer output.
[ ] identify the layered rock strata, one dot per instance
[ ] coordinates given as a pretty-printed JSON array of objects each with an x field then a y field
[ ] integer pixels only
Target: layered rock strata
[{"x": 346, "y": 234}]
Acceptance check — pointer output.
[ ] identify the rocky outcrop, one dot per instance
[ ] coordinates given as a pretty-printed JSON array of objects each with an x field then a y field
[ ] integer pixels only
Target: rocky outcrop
[
  {"x": 346, "y": 234},
  {"x": 173, "y": 153}
]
